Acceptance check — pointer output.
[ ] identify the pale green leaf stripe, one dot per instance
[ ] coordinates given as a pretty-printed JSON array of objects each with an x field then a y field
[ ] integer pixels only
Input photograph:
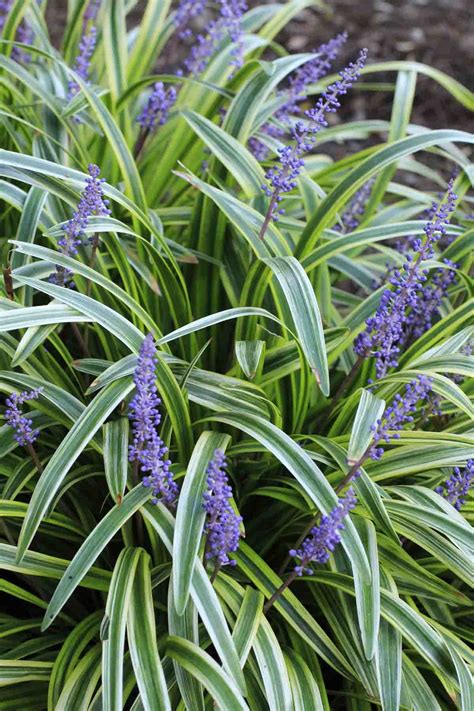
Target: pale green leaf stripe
[
  {"x": 75, "y": 643},
  {"x": 141, "y": 633},
  {"x": 388, "y": 658},
  {"x": 116, "y": 456},
  {"x": 204, "y": 597},
  {"x": 240, "y": 163},
  {"x": 187, "y": 627},
  {"x": 143, "y": 53},
  {"x": 370, "y": 409},
  {"x": 249, "y": 355},
  {"x": 306, "y": 694},
  {"x": 30, "y": 341},
  {"x": 207, "y": 671},
  {"x": 46, "y": 566},
  {"x": 335, "y": 244},
  {"x": 247, "y": 622},
  {"x": 213, "y": 319},
  {"x": 368, "y": 595},
  {"x": 291, "y": 609},
  {"x": 30, "y": 219},
  {"x": 271, "y": 663},
  {"x": 31, "y": 316},
  {"x": 116, "y": 611},
  {"x": 326, "y": 212},
  {"x": 92, "y": 548},
  {"x": 16, "y": 671},
  {"x": 111, "y": 320},
  {"x": 80, "y": 685},
  {"x": 466, "y": 681},
  {"x": 65, "y": 455},
  {"x": 305, "y": 471},
  {"x": 115, "y": 46},
  {"x": 305, "y": 313},
  {"x": 460, "y": 532},
  {"x": 77, "y": 267},
  {"x": 190, "y": 515}
]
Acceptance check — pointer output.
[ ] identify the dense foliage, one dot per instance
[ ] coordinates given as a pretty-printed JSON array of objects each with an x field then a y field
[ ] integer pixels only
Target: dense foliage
[{"x": 236, "y": 371}]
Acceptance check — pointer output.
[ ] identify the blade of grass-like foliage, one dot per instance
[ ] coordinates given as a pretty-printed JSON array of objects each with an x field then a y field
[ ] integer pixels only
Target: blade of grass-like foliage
[
  {"x": 247, "y": 622},
  {"x": 92, "y": 548},
  {"x": 70, "y": 653},
  {"x": 115, "y": 46},
  {"x": 305, "y": 314},
  {"x": 31, "y": 316},
  {"x": 190, "y": 515},
  {"x": 17, "y": 671},
  {"x": 305, "y": 691},
  {"x": 401, "y": 109},
  {"x": 368, "y": 595},
  {"x": 116, "y": 611},
  {"x": 466, "y": 682},
  {"x": 117, "y": 292},
  {"x": 369, "y": 411},
  {"x": 245, "y": 219},
  {"x": 204, "y": 597},
  {"x": 240, "y": 163},
  {"x": 250, "y": 356},
  {"x": 325, "y": 214},
  {"x": 207, "y": 671},
  {"x": 30, "y": 341},
  {"x": 64, "y": 457},
  {"x": 271, "y": 663},
  {"x": 29, "y": 221},
  {"x": 116, "y": 457},
  {"x": 415, "y": 689},
  {"x": 305, "y": 471},
  {"x": 80, "y": 686},
  {"x": 244, "y": 108},
  {"x": 389, "y": 656},
  {"x": 457, "y": 532},
  {"x": 284, "y": 14},
  {"x": 186, "y": 627},
  {"x": 141, "y": 633},
  {"x": 143, "y": 53},
  {"x": 41, "y": 565},
  {"x": 98, "y": 312},
  {"x": 291, "y": 609}
]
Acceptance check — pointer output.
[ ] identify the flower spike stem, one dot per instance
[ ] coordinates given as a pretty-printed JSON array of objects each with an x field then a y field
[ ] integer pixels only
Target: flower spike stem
[
  {"x": 36, "y": 461},
  {"x": 278, "y": 593}
]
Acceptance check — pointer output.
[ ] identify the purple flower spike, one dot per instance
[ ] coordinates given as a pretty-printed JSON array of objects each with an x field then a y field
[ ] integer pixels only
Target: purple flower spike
[
  {"x": 223, "y": 524},
  {"x": 92, "y": 202},
  {"x": 456, "y": 488},
  {"x": 148, "y": 449},
  {"x": 24, "y": 433},
  {"x": 83, "y": 59},
  {"x": 386, "y": 331},
  {"x": 91, "y": 12},
  {"x": 186, "y": 11},
  {"x": 282, "y": 178},
  {"x": 227, "y": 24},
  {"x": 323, "y": 538},
  {"x": 351, "y": 217},
  {"x": 157, "y": 107}
]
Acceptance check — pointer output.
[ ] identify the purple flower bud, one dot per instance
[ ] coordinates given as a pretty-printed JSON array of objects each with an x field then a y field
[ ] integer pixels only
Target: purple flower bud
[
  {"x": 24, "y": 433},
  {"x": 147, "y": 448},
  {"x": 222, "y": 524},
  {"x": 351, "y": 217},
  {"x": 323, "y": 538},
  {"x": 456, "y": 488}
]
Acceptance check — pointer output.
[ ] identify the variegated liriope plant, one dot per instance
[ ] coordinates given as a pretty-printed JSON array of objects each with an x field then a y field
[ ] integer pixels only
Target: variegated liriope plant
[{"x": 236, "y": 445}]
